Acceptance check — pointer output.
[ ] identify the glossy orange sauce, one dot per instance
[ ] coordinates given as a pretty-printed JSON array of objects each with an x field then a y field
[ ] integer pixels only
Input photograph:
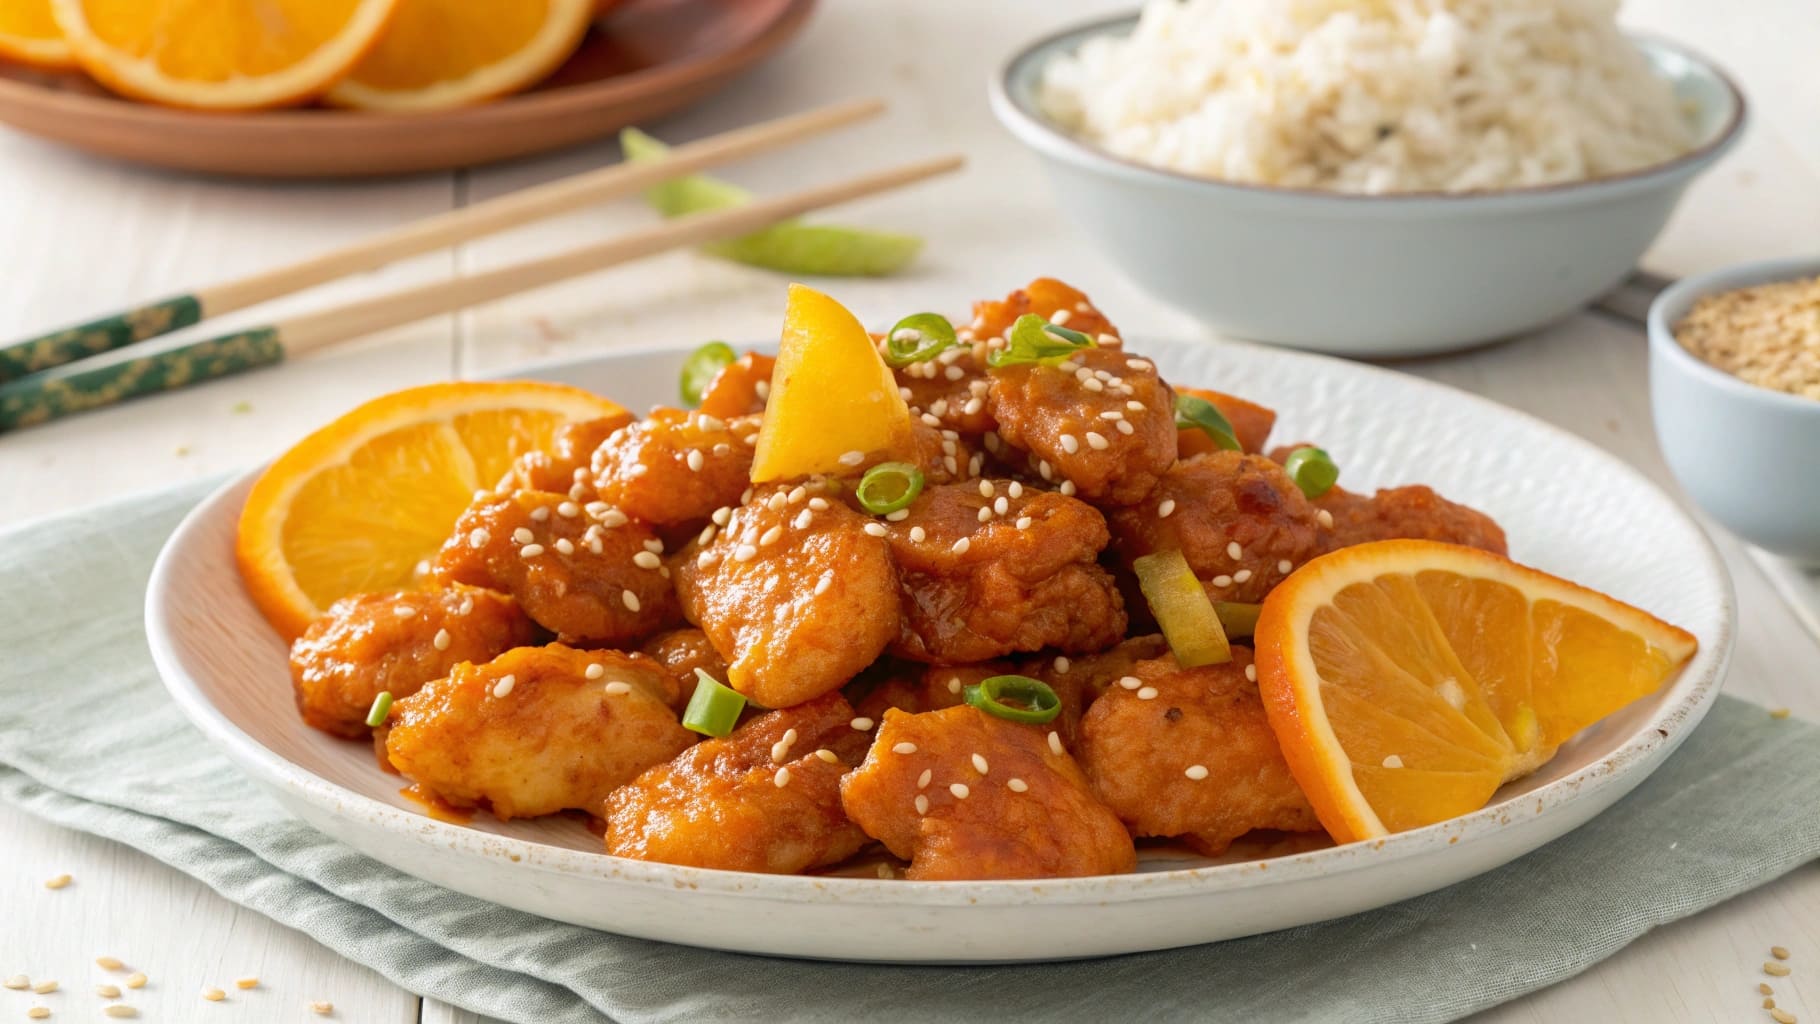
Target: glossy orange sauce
[{"x": 435, "y": 807}]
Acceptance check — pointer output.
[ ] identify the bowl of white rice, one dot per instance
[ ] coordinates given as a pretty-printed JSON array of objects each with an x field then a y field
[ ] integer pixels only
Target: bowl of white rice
[{"x": 1375, "y": 177}]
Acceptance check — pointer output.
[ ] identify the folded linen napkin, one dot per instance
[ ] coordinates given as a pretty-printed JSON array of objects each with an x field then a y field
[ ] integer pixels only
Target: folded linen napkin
[{"x": 1713, "y": 822}]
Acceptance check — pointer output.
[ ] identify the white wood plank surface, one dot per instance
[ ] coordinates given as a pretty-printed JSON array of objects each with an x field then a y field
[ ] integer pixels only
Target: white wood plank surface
[{"x": 84, "y": 236}]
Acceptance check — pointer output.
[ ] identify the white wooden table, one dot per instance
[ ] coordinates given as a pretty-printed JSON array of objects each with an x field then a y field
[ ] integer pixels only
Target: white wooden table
[{"x": 79, "y": 236}]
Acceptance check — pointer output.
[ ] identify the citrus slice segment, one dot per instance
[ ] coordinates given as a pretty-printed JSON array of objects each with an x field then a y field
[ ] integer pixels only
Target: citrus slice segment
[
  {"x": 356, "y": 506},
  {"x": 220, "y": 56},
  {"x": 29, "y": 35},
  {"x": 439, "y": 54},
  {"x": 1408, "y": 680}
]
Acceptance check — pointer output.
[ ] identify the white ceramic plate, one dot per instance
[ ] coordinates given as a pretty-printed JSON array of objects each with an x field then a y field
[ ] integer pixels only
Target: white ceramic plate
[{"x": 1569, "y": 507}]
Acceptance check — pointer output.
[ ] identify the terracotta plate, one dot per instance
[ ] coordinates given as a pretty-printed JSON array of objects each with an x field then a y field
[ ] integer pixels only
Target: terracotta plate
[{"x": 646, "y": 59}]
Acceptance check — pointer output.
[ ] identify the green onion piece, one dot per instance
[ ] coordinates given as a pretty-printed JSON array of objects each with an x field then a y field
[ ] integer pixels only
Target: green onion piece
[
  {"x": 714, "y": 708},
  {"x": 1035, "y": 340},
  {"x": 702, "y": 366},
  {"x": 1236, "y": 618},
  {"x": 1193, "y": 413},
  {"x": 382, "y": 706},
  {"x": 1313, "y": 470},
  {"x": 917, "y": 338},
  {"x": 1033, "y": 700},
  {"x": 889, "y": 486},
  {"x": 1182, "y": 609}
]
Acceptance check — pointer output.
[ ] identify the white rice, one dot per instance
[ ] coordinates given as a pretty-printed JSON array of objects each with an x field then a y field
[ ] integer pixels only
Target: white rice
[{"x": 1372, "y": 96}]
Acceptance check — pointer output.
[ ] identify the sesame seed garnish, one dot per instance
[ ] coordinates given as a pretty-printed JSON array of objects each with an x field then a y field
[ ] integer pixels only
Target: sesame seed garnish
[
  {"x": 1067, "y": 489},
  {"x": 1016, "y": 490},
  {"x": 1324, "y": 517},
  {"x": 695, "y": 460},
  {"x": 530, "y": 551},
  {"x": 655, "y": 546},
  {"x": 38, "y": 1012},
  {"x": 1000, "y": 505},
  {"x": 1017, "y": 785},
  {"x": 897, "y": 517},
  {"x": 246, "y": 983},
  {"x": 1774, "y": 969},
  {"x": 852, "y": 458},
  {"x": 17, "y": 982},
  {"x": 819, "y": 504},
  {"x": 568, "y": 510},
  {"x": 1393, "y": 761},
  {"x": 803, "y": 519},
  {"x": 617, "y": 688},
  {"x": 120, "y": 1010},
  {"x": 917, "y": 534},
  {"x": 1147, "y": 693},
  {"x": 441, "y": 640},
  {"x": 1165, "y": 508},
  {"x": 1061, "y": 664},
  {"x": 322, "y": 1008},
  {"x": 827, "y": 755},
  {"x": 1060, "y": 317},
  {"x": 986, "y": 489},
  {"x": 1780, "y": 1016},
  {"x": 403, "y": 611},
  {"x": 638, "y": 470},
  {"x": 614, "y": 517},
  {"x": 1055, "y": 742},
  {"x": 905, "y": 747},
  {"x": 213, "y": 995},
  {"x": 523, "y": 535},
  {"x": 782, "y": 778},
  {"x": 1097, "y": 441},
  {"x": 540, "y": 514},
  {"x": 931, "y": 420},
  {"x": 629, "y": 599},
  {"x": 1044, "y": 469},
  {"x": 822, "y": 585},
  {"x": 1070, "y": 444},
  {"x": 1779, "y": 713},
  {"x": 954, "y": 684},
  {"x": 1130, "y": 682},
  {"x": 1765, "y": 989},
  {"x": 960, "y": 546},
  {"x": 973, "y": 406},
  {"x": 1779, "y": 952},
  {"x": 922, "y": 804},
  {"x": 1197, "y": 772},
  {"x": 1221, "y": 580},
  {"x": 954, "y": 373},
  {"x": 875, "y": 529},
  {"x": 1112, "y": 414},
  {"x": 922, "y": 781},
  {"x": 108, "y": 991},
  {"x": 979, "y": 764},
  {"x": 985, "y": 514},
  {"x": 776, "y": 502},
  {"x": 45, "y": 988},
  {"x": 1241, "y": 576},
  {"x": 478, "y": 537},
  {"x": 1251, "y": 673},
  {"x": 59, "y": 882},
  {"x": 960, "y": 790},
  {"x": 1125, "y": 427},
  {"x": 721, "y": 515},
  {"x": 565, "y": 546},
  {"x": 1023, "y": 522},
  {"x": 108, "y": 963},
  {"x": 646, "y": 560},
  {"x": 860, "y": 724},
  {"x": 1138, "y": 364},
  {"x": 500, "y": 689},
  {"x": 745, "y": 553},
  {"x": 135, "y": 980},
  {"x": 1233, "y": 551},
  {"x": 595, "y": 671},
  {"x": 706, "y": 535},
  {"x": 1285, "y": 566}
]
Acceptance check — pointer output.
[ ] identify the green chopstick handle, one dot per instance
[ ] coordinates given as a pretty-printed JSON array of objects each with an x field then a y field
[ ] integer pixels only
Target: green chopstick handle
[
  {"x": 35, "y": 355},
  {"x": 46, "y": 396}
]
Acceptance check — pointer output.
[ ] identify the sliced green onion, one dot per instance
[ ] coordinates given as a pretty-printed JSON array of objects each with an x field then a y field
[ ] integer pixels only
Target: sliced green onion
[
  {"x": 1193, "y": 413},
  {"x": 714, "y": 708},
  {"x": 1033, "y": 700},
  {"x": 1035, "y": 340},
  {"x": 888, "y": 486},
  {"x": 1313, "y": 470},
  {"x": 702, "y": 366},
  {"x": 917, "y": 338},
  {"x": 1182, "y": 609},
  {"x": 382, "y": 706},
  {"x": 1237, "y": 618}
]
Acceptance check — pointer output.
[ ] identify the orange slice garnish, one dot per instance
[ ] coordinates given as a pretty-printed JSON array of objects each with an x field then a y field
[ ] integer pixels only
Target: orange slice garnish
[
  {"x": 439, "y": 54},
  {"x": 29, "y": 35}
]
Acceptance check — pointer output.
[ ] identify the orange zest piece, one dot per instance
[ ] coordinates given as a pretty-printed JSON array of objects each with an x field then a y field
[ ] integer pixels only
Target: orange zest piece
[
  {"x": 29, "y": 35},
  {"x": 438, "y": 54},
  {"x": 356, "y": 506},
  {"x": 221, "y": 56},
  {"x": 1408, "y": 680}
]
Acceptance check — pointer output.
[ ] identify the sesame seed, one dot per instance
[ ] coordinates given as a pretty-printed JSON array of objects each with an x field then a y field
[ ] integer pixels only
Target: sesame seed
[
  {"x": 1197, "y": 772},
  {"x": 568, "y": 510},
  {"x": 1324, "y": 517},
  {"x": 616, "y": 688},
  {"x": 108, "y": 991},
  {"x": 478, "y": 537},
  {"x": 777, "y": 501},
  {"x": 917, "y": 534},
  {"x": 1233, "y": 551},
  {"x": 695, "y": 460},
  {"x": 707, "y": 534},
  {"x": 59, "y": 882},
  {"x": 852, "y": 458},
  {"x": 530, "y": 551},
  {"x": 1138, "y": 364},
  {"x": 1055, "y": 742},
  {"x": 1000, "y": 505},
  {"x": 985, "y": 514},
  {"x": 213, "y": 995},
  {"x": 827, "y": 755},
  {"x": 960, "y": 546},
  {"x": 322, "y": 1007},
  {"x": 979, "y": 764},
  {"x": 1285, "y": 566},
  {"x": 17, "y": 982},
  {"x": 565, "y": 546},
  {"x": 721, "y": 515},
  {"x": 655, "y": 546},
  {"x": 710, "y": 423},
  {"x": 782, "y": 778},
  {"x": 1093, "y": 385},
  {"x": 404, "y": 611},
  {"x": 1023, "y": 522},
  {"x": 1017, "y": 785},
  {"x": 1774, "y": 969},
  {"x": 897, "y": 517},
  {"x": 120, "y": 1010},
  {"x": 904, "y": 748},
  {"x": 796, "y": 495},
  {"x": 954, "y": 684},
  {"x": 108, "y": 963},
  {"x": 822, "y": 585},
  {"x": 1061, "y": 664},
  {"x": 931, "y": 420},
  {"x": 614, "y": 517},
  {"x": 1221, "y": 581},
  {"x": 1043, "y": 468},
  {"x": 1251, "y": 673},
  {"x": 1097, "y": 441},
  {"x": 1067, "y": 489},
  {"x": 954, "y": 373},
  {"x": 1779, "y": 952},
  {"x": 745, "y": 553},
  {"x": 1393, "y": 761},
  {"x": 1112, "y": 414},
  {"x": 803, "y": 519},
  {"x": 135, "y": 980},
  {"x": 1781, "y": 1016},
  {"x": 1765, "y": 989},
  {"x": 1147, "y": 693},
  {"x": 440, "y": 641},
  {"x": 1130, "y": 682},
  {"x": 594, "y": 671},
  {"x": 1125, "y": 427},
  {"x": 630, "y": 599},
  {"x": 875, "y": 529},
  {"x": 819, "y": 504},
  {"x": 1070, "y": 444},
  {"x": 540, "y": 514},
  {"x": 523, "y": 535},
  {"x": 45, "y": 988},
  {"x": 637, "y": 471},
  {"x": 502, "y": 688},
  {"x": 860, "y": 724},
  {"x": 38, "y": 1012},
  {"x": 246, "y": 983},
  {"x": 922, "y": 804},
  {"x": 1165, "y": 508},
  {"x": 1060, "y": 317},
  {"x": 595, "y": 545},
  {"x": 1241, "y": 576},
  {"x": 1016, "y": 490},
  {"x": 960, "y": 790},
  {"x": 646, "y": 560},
  {"x": 973, "y": 406}
]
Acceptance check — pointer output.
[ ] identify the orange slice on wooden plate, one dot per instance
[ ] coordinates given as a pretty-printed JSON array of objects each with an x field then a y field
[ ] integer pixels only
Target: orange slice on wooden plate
[
  {"x": 439, "y": 54},
  {"x": 221, "y": 56},
  {"x": 357, "y": 505},
  {"x": 29, "y": 35},
  {"x": 1408, "y": 680}
]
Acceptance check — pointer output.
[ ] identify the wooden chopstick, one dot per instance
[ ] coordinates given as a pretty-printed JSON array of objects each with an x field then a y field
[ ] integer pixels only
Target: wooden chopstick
[
  {"x": 153, "y": 319},
  {"x": 42, "y": 397}
]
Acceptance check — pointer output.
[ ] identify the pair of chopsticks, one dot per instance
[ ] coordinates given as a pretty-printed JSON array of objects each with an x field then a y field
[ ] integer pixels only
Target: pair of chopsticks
[{"x": 30, "y": 394}]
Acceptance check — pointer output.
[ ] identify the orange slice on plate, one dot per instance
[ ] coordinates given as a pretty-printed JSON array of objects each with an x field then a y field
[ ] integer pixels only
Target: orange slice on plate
[
  {"x": 29, "y": 35},
  {"x": 1408, "y": 680},
  {"x": 357, "y": 505},
  {"x": 439, "y": 54},
  {"x": 221, "y": 56}
]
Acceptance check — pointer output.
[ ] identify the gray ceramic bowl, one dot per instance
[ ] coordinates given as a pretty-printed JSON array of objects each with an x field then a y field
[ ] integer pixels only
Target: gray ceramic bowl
[
  {"x": 1749, "y": 456},
  {"x": 1366, "y": 275}
]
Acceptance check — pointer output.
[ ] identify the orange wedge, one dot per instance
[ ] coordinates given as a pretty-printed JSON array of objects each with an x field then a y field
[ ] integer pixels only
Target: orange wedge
[
  {"x": 1408, "y": 680},
  {"x": 221, "y": 56},
  {"x": 439, "y": 54},
  {"x": 355, "y": 506},
  {"x": 29, "y": 35}
]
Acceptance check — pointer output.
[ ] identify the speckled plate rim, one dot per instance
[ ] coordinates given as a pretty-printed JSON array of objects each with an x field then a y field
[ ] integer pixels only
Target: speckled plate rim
[{"x": 1685, "y": 703}]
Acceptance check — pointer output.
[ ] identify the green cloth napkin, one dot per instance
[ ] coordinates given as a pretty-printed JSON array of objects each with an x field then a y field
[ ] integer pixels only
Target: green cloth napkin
[{"x": 88, "y": 740}]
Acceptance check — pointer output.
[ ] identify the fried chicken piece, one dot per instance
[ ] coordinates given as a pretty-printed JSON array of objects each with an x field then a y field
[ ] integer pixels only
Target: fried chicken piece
[
  {"x": 677, "y": 467},
  {"x": 681, "y": 652},
  {"x": 395, "y": 641},
  {"x": 1102, "y": 422},
  {"x": 765, "y": 798},
  {"x": 1029, "y": 814},
  {"x": 975, "y": 589},
  {"x": 567, "y": 462},
  {"x": 793, "y": 592},
  {"x": 1413, "y": 513},
  {"x": 1250, "y": 421},
  {"x": 1238, "y": 519},
  {"x": 585, "y": 573},
  {"x": 740, "y": 388},
  {"x": 1188, "y": 753},
  {"x": 536, "y": 730},
  {"x": 1059, "y": 303}
]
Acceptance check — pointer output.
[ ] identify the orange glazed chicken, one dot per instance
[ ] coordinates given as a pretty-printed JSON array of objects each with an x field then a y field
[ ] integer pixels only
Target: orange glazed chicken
[{"x": 977, "y": 596}]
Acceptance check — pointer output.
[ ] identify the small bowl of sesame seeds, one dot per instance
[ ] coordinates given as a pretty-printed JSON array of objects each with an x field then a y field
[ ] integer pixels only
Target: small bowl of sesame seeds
[{"x": 1735, "y": 386}]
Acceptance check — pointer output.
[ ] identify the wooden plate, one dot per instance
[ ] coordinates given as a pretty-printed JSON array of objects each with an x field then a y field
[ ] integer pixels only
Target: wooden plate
[{"x": 646, "y": 59}]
